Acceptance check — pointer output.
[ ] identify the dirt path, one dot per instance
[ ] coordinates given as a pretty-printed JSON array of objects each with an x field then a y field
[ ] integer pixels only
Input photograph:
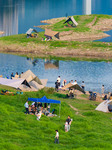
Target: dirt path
[{"x": 75, "y": 109}]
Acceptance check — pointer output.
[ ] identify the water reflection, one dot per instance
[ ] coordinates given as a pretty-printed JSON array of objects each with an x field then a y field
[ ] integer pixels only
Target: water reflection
[
  {"x": 9, "y": 13},
  {"x": 51, "y": 64},
  {"x": 33, "y": 61},
  {"x": 87, "y": 7}
]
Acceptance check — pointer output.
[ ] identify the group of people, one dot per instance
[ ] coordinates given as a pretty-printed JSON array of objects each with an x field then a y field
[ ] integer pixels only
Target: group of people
[
  {"x": 67, "y": 128},
  {"x": 58, "y": 83},
  {"x": 16, "y": 75},
  {"x": 37, "y": 109},
  {"x": 71, "y": 90}
]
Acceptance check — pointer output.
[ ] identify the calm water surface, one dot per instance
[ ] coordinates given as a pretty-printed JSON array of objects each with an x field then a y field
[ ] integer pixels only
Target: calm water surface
[
  {"x": 17, "y": 16},
  {"x": 93, "y": 73}
]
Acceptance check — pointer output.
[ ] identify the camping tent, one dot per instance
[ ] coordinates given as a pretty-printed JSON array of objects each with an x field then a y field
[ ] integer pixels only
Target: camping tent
[
  {"x": 15, "y": 83},
  {"x": 45, "y": 100},
  {"x": 33, "y": 80},
  {"x": 30, "y": 31},
  {"x": 50, "y": 34},
  {"x": 76, "y": 86},
  {"x": 104, "y": 106},
  {"x": 29, "y": 76},
  {"x": 71, "y": 19}
]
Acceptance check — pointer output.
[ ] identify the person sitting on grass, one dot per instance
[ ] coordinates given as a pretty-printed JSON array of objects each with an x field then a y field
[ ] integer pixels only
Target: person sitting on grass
[
  {"x": 39, "y": 115},
  {"x": 71, "y": 93}
]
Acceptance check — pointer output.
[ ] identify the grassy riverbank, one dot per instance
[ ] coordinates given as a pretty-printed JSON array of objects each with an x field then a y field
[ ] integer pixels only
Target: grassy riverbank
[
  {"x": 71, "y": 43},
  {"x": 90, "y": 129}
]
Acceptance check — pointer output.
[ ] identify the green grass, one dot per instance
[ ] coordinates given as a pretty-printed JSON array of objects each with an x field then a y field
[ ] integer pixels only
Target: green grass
[{"x": 90, "y": 129}]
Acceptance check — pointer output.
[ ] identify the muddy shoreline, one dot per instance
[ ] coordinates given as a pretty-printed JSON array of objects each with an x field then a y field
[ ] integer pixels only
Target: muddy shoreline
[{"x": 59, "y": 52}]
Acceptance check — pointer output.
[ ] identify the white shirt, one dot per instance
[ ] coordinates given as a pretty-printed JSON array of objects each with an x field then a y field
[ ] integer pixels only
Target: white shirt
[
  {"x": 26, "y": 105},
  {"x": 39, "y": 115},
  {"x": 75, "y": 83},
  {"x": 33, "y": 103},
  {"x": 57, "y": 134},
  {"x": 59, "y": 79}
]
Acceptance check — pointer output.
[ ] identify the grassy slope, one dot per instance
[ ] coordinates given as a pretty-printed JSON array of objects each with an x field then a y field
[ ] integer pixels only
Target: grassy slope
[{"x": 90, "y": 129}]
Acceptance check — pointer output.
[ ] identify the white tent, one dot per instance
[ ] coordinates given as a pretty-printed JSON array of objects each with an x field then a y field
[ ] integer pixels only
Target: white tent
[
  {"x": 104, "y": 106},
  {"x": 31, "y": 30},
  {"x": 34, "y": 82},
  {"x": 30, "y": 76},
  {"x": 16, "y": 83},
  {"x": 71, "y": 19}
]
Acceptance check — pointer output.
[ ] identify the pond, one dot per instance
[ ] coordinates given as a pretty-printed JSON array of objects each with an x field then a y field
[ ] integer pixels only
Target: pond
[
  {"x": 17, "y": 16},
  {"x": 95, "y": 74}
]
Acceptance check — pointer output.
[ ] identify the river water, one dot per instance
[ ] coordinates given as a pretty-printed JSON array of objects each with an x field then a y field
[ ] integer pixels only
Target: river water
[
  {"x": 95, "y": 74},
  {"x": 17, "y": 16}
]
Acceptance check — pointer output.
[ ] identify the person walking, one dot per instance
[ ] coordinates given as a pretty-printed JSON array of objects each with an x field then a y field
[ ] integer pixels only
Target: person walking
[
  {"x": 66, "y": 126},
  {"x": 83, "y": 85},
  {"x": 68, "y": 120},
  {"x": 27, "y": 107},
  {"x": 57, "y": 137}
]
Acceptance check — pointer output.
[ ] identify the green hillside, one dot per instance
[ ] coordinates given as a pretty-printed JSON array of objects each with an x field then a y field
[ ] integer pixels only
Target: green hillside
[{"x": 90, "y": 129}]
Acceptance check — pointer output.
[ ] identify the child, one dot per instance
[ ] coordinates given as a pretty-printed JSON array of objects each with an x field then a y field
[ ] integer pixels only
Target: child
[
  {"x": 66, "y": 126},
  {"x": 57, "y": 137},
  {"x": 39, "y": 115}
]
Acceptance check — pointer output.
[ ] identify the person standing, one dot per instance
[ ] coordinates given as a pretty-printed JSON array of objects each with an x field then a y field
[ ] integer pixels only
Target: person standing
[
  {"x": 75, "y": 82},
  {"x": 59, "y": 80},
  {"x": 102, "y": 90},
  {"x": 64, "y": 82},
  {"x": 12, "y": 75},
  {"x": 66, "y": 126},
  {"x": 56, "y": 85},
  {"x": 83, "y": 85},
  {"x": 57, "y": 137},
  {"x": 27, "y": 107},
  {"x": 68, "y": 120}
]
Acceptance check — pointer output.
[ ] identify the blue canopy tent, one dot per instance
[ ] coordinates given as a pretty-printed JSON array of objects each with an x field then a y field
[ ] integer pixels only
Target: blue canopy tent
[{"x": 45, "y": 100}]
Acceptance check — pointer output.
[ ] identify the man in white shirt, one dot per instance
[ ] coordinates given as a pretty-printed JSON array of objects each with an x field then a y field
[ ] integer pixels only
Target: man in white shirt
[
  {"x": 75, "y": 82},
  {"x": 59, "y": 80},
  {"x": 57, "y": 137},
  {"x": 27, "y": 107}
]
